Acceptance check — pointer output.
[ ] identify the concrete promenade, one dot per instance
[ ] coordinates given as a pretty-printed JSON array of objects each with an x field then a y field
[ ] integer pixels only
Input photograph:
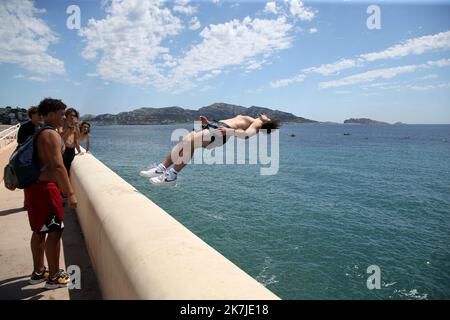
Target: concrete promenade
[{"x": 16, "y": 262}]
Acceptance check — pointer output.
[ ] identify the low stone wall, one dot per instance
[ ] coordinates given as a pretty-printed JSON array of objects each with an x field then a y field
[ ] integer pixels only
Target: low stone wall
[{"x": 140, "y": 252}]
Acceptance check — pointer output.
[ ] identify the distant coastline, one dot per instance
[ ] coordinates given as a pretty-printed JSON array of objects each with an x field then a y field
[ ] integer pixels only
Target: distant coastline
[{"x": 179, "y": 115}]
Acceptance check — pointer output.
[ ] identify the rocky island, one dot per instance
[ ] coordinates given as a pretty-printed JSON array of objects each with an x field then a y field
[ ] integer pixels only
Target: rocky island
[{"x": 363, "y": 121}]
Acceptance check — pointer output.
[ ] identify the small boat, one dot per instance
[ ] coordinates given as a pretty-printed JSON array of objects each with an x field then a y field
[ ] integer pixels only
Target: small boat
[
  {"x": 292, "y": 135},
  {"x": 346, "y": 134}
]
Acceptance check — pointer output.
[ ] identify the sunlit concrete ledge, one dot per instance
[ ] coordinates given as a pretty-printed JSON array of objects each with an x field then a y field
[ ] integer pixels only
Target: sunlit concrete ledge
[{"x": 139, "y": 251}]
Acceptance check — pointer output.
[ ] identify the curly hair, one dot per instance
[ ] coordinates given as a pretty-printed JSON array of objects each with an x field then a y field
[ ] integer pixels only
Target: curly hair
[{"x": 50, "y": 105}]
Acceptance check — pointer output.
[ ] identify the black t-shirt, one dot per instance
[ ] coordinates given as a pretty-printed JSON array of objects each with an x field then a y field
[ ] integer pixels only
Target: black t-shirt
[{"x": 26, "y": 130}]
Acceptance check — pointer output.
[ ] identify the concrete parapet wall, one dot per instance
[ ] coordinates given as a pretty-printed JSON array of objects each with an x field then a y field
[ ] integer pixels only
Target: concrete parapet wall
[{"x": 140, "y": 252}]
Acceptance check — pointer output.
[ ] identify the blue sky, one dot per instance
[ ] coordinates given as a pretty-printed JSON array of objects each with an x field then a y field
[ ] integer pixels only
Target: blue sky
[{"x": 315, "y": 59}]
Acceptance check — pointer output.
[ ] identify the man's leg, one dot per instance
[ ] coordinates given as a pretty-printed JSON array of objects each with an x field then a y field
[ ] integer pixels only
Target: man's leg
[
  {"x": 177, "y": 151},
  {"x": 183, "y": 152},
  {"x": 37, "y": 249},
  {"x": 167, "y": 162},
  {"x": 180, "y": 156},
  {"x": 52, "y": 251}
]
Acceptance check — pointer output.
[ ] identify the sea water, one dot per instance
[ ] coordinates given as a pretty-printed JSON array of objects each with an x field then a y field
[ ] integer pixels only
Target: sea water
[{"x": 346, "y": 197}]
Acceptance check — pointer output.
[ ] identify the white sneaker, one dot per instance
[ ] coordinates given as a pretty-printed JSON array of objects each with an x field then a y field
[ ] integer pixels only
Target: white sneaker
[
  {"x": 154, "y": 171},
  {"x": 163, "y": 180}
]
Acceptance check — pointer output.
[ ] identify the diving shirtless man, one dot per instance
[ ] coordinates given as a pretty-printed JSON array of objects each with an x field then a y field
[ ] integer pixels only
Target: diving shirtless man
[{"x": 240, "y": 126}]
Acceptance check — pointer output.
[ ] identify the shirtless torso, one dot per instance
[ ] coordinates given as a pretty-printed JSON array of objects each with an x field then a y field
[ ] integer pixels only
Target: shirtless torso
[
  {"x": 240, "y": 122},
  {"x": 71, "y": 135},
  {"x": 47, "y": 141}
]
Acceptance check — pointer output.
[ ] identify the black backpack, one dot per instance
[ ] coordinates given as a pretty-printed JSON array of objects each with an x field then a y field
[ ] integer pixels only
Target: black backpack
[{"x": 23, "y": 167}]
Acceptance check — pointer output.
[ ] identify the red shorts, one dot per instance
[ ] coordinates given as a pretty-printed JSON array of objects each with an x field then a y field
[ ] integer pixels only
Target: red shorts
[{"x": 45, "y": 210}]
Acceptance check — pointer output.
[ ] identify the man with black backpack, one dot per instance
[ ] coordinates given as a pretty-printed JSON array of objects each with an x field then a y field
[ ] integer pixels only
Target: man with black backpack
[
  {"x": 43, "y": 198},
  {"x": 29, "y": 128}
]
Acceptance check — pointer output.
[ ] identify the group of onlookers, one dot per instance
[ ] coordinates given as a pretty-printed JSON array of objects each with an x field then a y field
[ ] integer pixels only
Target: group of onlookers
[
  {"x": 57, "y": 135},
  {"x": 71, "y": 132}
]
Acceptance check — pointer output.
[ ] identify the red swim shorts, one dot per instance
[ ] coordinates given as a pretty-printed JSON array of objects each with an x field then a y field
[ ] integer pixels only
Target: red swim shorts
[{"x": 45, "y": 210}]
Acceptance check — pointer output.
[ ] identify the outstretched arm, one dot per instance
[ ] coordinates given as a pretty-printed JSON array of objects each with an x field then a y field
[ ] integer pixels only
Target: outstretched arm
[
  {"x": 77, "y": 140},
  {"x": 88, "y": 143},
  {"x": 242, "y": 134}
]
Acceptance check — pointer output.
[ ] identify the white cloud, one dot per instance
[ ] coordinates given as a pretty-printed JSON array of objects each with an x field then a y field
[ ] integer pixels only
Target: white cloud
[
  {"x": 298, "y": 10},
  {"x": 216, "y": 1},
  {"x": 181, "y": 2},
  {"x": 129, "y": 44},
  {"x": 207, "y": 76},
  {"x": 420, "y": 45},
  {"x": 181, "y": 6},
  {"x": 386, "y": 73},
  {"x": 430, "y": 76},
  {"x": 92, "y": 74},
  {"x": 416, "y": 46},
  {"x": 383, "y": 86},
  {"x": 39, "y": 79},
  {"x": 32, "y": 78},
  {"x": 285, "y": 82},
  {"x": 188, "y": 10},
  {"x": 234, "y": 43},
  {"x": 271, "y": 7},
  {"x": 439, "y": 41},
  {"x": 194, "y": 24},
  {"x": 207, "y": 88},
  {"x": 325, "y": 70},
  {"x": 431, "y": 87},
  {"x": 129, "y": 39},
  {"x": 332, "y": 68},
  {"x": 313, "y": 30},
  {"x": 24, "y": 38},
  {"x": 255, "y": 64},
  {"x": 439, "y": 63}
]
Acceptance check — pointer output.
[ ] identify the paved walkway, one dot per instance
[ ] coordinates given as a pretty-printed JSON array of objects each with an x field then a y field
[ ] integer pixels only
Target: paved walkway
[{"x": 15, "y": 255}]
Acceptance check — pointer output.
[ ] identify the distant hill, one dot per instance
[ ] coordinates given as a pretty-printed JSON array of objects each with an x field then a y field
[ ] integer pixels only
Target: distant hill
[
  {"x": 170, "y": 115},
  {"x": 363, "y": 121},
  {"x": 175, "y": 114}
]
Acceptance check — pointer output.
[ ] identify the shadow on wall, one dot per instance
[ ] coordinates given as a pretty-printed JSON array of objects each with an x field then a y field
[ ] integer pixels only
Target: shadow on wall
[{"x": 75, "y": 253}]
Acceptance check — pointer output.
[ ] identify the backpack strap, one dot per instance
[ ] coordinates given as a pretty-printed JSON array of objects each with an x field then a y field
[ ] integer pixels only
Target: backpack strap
[{"x": 36, "y": 135}]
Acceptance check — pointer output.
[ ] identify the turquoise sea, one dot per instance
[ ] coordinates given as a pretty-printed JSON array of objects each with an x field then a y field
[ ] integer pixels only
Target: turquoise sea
[{"x": 339, "y": 204}]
